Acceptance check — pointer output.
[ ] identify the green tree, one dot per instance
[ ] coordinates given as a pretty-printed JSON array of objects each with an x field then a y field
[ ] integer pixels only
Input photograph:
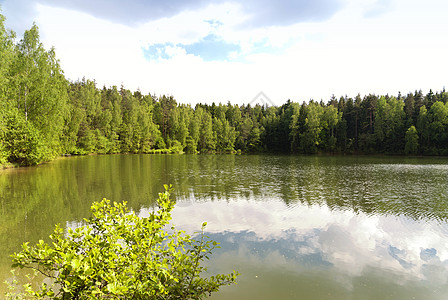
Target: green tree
[
  {"x": 162, "y": 114},
  {"x": 40, "y": 89},
  {"x": 130, "y": 131},
  {"x": 22, "y": 141},
  {"x": 224, "y": 134},
  {"x": 411, "y": 141},
  {"x": 207, "y": 140},
  {"x": 190, "y": 145},
  {"x": 329, "y": 121},
  {"x": 179, "y": 121},
  {"x": 195, "y": 125},
  {"x": 148, "y": 131},
  {"x": 297, "y": 125},
  {"x": 244, "y": 135},
  {"x": 423, "y": 128},
  {"x": 310, "y": 138},
  {"x": 85, "y": 108},
  {"x": 114, "y": 99},
  {"x": 119, "y": 255},
  {"x": 254, "y": 140},
  {"x": 409, "y": 108},
  {"x": 233, "y": 115},
  {"x": 357, "y": 119},
  {"x": 6, "y": 56},
  {"x": 438, "y": 115},
  {"x": 367, "y": 139},
  {"x": 389, "y": 121}
]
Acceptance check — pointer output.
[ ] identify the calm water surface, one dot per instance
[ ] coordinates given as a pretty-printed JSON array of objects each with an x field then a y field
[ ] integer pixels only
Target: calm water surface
[{"x": 295, "y": 227}]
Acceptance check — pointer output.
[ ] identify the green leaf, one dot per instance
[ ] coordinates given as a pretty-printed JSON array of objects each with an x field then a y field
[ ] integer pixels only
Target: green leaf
[
  {"x": 117, "y": 253},
  {"x": 75, "y": 263}
]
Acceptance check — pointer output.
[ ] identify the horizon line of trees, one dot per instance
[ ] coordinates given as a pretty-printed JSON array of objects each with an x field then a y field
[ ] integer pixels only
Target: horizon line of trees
[{"x": 44, "y": 115}]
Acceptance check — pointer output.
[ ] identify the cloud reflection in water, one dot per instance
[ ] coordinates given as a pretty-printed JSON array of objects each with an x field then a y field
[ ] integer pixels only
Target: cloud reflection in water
[{"x": 341, "y": 246}]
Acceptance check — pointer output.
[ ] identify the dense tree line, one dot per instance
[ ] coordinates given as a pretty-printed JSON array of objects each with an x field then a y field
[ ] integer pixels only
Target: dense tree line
[{"x": 43, "y": 115}]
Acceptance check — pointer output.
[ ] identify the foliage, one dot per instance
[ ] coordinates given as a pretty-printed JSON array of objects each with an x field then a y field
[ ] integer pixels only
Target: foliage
[
  {"x": 411, "y": 141},
  {"x": 119, "y": 255},
  {"x": 39, "y": 89},
  {"x": 22, "y": 142},
  {"x": 79, "y": 118}
]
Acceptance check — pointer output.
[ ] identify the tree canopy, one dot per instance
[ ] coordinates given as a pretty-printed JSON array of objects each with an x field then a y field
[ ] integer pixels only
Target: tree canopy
[{"x": 43, "y": 115}]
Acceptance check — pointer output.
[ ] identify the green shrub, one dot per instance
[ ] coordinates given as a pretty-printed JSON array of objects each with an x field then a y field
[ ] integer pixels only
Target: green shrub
[
  {"x": 119, "y": 255},
  {"x": 176, "y": 147},
  {"x": 23, "y": 142}
]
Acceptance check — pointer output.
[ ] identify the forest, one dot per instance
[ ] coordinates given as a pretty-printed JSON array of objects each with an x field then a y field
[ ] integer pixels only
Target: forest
[{"x": 44, "y": 115}]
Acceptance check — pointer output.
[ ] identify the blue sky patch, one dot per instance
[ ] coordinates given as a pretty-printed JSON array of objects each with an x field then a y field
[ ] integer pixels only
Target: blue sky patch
[
  {"x": 211, "y": 48},
  {"x": 157, "y": 51}
]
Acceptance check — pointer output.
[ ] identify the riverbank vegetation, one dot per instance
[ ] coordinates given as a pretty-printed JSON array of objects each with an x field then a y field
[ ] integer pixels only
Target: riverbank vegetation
[{"x": 44, "y": 115}]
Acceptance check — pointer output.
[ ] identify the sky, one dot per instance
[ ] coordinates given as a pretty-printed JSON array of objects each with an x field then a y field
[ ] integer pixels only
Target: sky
[{"x": 239, "y": 51}]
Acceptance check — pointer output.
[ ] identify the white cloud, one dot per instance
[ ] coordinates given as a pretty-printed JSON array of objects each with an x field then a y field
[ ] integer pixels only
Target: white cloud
[{"x": 402, "y": 49}]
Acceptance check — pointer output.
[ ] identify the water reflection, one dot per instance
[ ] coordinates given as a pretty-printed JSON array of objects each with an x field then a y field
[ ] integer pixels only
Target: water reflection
[
  {"x": 342, "y": 248},
  {"x": 295, "y": 226}
]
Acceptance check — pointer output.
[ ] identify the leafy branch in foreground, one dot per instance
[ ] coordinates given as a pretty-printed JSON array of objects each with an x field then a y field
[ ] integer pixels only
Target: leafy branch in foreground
[{"x": 119, "y": 255}]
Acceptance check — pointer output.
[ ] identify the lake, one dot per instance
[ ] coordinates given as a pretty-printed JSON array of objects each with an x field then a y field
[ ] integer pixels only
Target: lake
[{"x": 295, "y": 227}]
